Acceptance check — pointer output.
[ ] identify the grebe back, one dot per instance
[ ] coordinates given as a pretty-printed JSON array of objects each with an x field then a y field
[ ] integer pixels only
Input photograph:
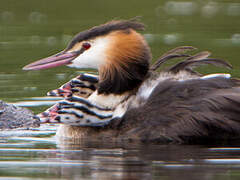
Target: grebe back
[{"x": 130, "y": 100}]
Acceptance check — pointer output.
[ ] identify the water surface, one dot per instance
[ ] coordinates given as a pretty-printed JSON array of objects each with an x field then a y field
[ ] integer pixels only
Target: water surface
[{"x": 30, "y": 30}]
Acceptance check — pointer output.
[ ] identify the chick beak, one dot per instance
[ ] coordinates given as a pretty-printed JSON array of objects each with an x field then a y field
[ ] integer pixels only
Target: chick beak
[{"x": 62, "y": 58}]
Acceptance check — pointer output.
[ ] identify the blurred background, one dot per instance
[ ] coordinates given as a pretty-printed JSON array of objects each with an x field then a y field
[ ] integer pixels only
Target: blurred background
[{"x": 30, "y": 30}]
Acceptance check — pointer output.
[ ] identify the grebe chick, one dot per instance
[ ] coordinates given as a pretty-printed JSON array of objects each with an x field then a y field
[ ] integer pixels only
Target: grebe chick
[{"x": 129, "y": 100}]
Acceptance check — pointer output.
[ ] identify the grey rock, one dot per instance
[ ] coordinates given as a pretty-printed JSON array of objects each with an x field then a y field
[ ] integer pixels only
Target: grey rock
[{"x": 12, "y": 117}]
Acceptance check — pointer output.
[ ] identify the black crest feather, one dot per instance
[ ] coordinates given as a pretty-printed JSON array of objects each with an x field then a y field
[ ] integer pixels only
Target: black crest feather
[{"x": 105, "y": 29}]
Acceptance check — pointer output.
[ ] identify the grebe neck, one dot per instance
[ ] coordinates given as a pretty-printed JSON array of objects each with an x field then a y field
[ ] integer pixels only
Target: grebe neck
[
  {"x": 127, "y": 63},
  {"x": 122, "y": 78}
]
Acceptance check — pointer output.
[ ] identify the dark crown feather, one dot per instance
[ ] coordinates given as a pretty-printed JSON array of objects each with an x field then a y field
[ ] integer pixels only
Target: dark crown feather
[{"x": 105, "y": 29}]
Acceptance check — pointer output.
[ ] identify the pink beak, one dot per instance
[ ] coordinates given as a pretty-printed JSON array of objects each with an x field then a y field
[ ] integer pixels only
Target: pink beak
[{"x": 59, "y": 59}]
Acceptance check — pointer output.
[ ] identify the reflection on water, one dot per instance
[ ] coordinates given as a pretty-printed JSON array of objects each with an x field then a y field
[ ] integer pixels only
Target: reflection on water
[
  {"x": 38, "y": 101},
  {"x": 30, "y": 30},
  {"x": 40, "y": 156}
]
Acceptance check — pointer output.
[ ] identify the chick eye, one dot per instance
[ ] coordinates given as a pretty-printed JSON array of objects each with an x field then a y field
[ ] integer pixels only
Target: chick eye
[{"x": 86, "y": 45}]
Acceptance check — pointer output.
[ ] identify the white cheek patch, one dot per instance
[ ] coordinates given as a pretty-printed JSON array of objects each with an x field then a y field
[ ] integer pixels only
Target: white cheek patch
[{"x": 94, "y": 57}]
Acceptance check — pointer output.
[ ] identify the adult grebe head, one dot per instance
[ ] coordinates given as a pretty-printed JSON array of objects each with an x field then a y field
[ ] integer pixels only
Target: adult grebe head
[{"x": 115, "y": 49}]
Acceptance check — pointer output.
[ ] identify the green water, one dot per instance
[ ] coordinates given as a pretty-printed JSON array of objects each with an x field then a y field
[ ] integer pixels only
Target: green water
[{"x": 30, "y": 30}]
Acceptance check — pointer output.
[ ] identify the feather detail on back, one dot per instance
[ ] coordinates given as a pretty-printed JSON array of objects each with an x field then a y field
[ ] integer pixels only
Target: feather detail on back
[{"x": 188, "y": 111}]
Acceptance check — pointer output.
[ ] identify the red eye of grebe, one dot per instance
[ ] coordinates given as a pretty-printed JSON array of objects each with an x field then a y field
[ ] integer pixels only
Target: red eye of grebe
[{"x": 86, "y": 45}]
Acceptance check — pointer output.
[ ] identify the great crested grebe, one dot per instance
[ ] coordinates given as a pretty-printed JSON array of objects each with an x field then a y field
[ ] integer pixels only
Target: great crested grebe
[{"x": 130, "y": 100}]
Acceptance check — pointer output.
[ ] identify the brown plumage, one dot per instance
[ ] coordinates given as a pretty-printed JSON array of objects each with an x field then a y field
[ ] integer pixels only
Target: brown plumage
[
  {"x": 128, "y": 59},
  {"x": 195, "y": 111},
  {"x": 191, "y": 111},
  {"x": 176, "y": 105}
]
